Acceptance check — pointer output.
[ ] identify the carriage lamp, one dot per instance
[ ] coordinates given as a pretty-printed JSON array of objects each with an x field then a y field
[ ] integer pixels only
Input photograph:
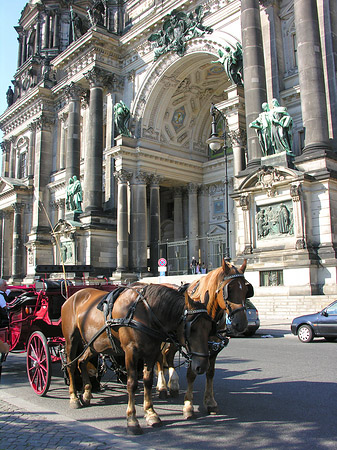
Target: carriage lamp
[{"x": 215, "y": 143}]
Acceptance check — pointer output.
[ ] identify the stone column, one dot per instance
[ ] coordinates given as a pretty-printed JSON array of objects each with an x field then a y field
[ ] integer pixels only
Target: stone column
[
  {"x": 45, "y": 31},
  {"x": 138, "y": 224},
  {"x": 63, "y": 128},
  {"x": 178, "y": 226},
  {"x": 247, "y": 225},
  {"x": 2, "y": 241},
  {"x": 17, "y": 163},
  {"x": 37, "y": 38},
  {"x": 203, "y": 209},
  {"x": 31, "y": 150},
  {"x": 122, "y": 221},
  {"x": 17, "y": 242},
  {"x": 5, "y": 146},
  {"x": 299, "y": 232},
  {"x": 310, "y": 67},
  {"x": 12, "y": 158},
  {"x": 73, "y": 141},
  {"x": 154, "y": 222},
  {"x": 193, "y": 225},
  {"x": 24, "y": 48},
  {"x": 42, "y": 170},
  {"x": 61, "y": 206},
  {"x": 94, "y": 155},
  {"x": 254, "y": 73},
  {"x": 20, "y": 50}
]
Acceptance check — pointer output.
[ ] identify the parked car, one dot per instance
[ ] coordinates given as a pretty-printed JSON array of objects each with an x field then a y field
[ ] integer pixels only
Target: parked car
[
  {"x": 253, "y": 321},
  {"x": 321, "y": 324}
]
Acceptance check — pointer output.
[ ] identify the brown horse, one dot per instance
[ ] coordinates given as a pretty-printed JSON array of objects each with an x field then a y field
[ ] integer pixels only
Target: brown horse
[
  {"x": 223, "y": 290},
  {"x": 141, "y": 318}
]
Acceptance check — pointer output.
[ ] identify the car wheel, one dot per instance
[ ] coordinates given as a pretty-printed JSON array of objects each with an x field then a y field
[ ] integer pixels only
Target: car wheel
[
  {"x": 305, "y": 333},
  {"x": 329, "y": 338}
]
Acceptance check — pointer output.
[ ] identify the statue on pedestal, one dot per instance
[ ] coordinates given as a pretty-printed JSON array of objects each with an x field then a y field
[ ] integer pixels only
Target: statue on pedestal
[
  {"x": 273, "y": 127},
  {"x": 122, "y": 116},
  {"x": 74, "y": 196}
]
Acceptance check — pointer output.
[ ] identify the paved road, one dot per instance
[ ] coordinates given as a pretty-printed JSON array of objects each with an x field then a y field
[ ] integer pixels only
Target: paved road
[{"x": 274, "y": 393}]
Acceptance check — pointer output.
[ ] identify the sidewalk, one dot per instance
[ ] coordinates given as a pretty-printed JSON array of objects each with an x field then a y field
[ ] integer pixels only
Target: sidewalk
[{"x": 24, "y": 426}]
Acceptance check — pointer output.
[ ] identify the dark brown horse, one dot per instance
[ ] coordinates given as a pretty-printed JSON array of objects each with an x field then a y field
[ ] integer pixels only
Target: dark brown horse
[
  {"x": 142, "y": 317},
  {"x": 223, "y": 290}
]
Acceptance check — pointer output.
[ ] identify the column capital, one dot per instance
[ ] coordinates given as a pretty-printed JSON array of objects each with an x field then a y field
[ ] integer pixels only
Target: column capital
[
  {"x": 295, "y": 192},
  {"x": 177, "y": 191},
  {"x": 5, "y": 146},
  {"x": 98, "y": 77},
  {"x": 192, "y": 188},
  {"x": 154, "y": 180},
  {"x": 238, "y": 137},
  {"x": 44, "y": 122},
  {"x": 140, "y": 177},
  {"x": 32, "y": 127},
  {"x": 74, "y": 91},
  {"x": 18, "y": 207},
  {"x": 123, "y": 176}
]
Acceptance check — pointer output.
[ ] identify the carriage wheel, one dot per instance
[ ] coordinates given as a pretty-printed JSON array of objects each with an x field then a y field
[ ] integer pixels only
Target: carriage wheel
[{"x": 38, "y": 363}]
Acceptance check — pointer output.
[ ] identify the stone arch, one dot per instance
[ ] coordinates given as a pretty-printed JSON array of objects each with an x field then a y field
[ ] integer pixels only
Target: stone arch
[{"x": 172, "y": 74}]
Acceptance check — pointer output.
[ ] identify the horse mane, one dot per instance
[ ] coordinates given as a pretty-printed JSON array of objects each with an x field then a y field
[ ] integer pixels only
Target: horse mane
[
  {"x": 168, "y": 300},
  {"x": 206, "y": 288}
]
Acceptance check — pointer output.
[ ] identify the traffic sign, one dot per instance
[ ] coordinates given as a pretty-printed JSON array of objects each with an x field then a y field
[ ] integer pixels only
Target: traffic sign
[{"x": 162, "y": 262}]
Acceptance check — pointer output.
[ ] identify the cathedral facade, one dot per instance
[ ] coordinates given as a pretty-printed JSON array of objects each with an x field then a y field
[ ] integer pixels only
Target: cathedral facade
[{"x": 191, "y": 129}]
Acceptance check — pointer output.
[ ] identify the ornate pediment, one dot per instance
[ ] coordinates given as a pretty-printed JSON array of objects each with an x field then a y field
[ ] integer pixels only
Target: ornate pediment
[
  {"x": 11, "y": 185},
  {"x": 267, "y": 178}
]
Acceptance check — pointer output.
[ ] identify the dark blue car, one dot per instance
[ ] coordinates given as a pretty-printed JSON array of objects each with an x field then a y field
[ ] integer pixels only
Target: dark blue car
[{"x": 321, "y": 324}]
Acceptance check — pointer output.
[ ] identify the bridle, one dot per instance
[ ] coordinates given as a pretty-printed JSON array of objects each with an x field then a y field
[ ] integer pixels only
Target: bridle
[
  {"x": 224, "y": 287},
  {"x": 197, "y": 313}
]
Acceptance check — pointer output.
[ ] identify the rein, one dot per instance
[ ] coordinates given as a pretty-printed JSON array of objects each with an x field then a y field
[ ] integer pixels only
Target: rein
[{"x": 129, "y": 321}]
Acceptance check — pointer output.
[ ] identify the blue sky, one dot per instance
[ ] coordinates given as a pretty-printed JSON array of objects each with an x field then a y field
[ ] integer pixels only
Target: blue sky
[{"x": 10, "y": 12}]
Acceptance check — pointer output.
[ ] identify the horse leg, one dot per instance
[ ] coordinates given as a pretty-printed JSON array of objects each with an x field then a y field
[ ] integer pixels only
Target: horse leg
[
  {"x": 173, "y": 382},
  {"x": 188, "y": 410},
  {"x": 131, "y": 363},
  {"x": 151, "y": 416},
  {"x": 71, "y": 352},
  {"x": 210, "y": 404},
  {"x": 161, "y": 382},
  {"x": 86, "y": 395}
]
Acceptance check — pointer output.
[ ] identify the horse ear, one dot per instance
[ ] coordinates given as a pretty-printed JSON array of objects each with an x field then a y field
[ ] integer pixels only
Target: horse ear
[
  {"x": 225, "y": 267},
  {"x": 188, "y": 301},
  {"x": 243, "y": 267}
]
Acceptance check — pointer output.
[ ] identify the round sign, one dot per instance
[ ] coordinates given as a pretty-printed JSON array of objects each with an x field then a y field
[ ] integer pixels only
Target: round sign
[{"x": 162, "y": 262}]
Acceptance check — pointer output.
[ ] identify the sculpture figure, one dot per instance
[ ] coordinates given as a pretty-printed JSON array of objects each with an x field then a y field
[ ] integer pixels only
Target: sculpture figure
[
  {"x": 263, "y": 129},
  {"x": 273, "y": 128},
  {"x": 77, "y": 194},
  {"x": 10, "y": 96},
  {"x": 122, "y": 116},
  {"x": 281, "y": 128},
  {"x": 232, "y": 62},
  {"x": 74, "y": 196},
  {"x": 177, "y": 30}
]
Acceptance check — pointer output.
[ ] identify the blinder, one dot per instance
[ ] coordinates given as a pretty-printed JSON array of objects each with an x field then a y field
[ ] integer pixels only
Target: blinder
[
  {"x": 250, "y": 289},
  {"x": 188, "y": 326}
]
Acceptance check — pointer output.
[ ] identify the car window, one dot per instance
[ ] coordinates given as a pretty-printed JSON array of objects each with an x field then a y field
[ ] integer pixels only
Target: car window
[
  {"x": 249, "y": 304},
  {"x": 332, "y": 309}
]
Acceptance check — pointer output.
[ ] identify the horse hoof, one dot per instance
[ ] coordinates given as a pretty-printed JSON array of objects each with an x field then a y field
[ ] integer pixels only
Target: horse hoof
[
  {"x": 174, "y": 393},
  {"x": 212, "y": 410},
  {"x": 85, "y": 401},
  {"x": 188, "y": 415},
  {"x": 153, "y": 421},
  {"x": 75, "y": 404},
  {"x": 134, "y": 430},
  {"x": 162, "y": 394}
]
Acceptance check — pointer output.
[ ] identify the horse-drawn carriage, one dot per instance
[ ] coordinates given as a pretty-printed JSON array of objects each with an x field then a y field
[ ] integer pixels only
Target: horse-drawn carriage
[
  {"x": 76, "y": 323},
  {"x": 35, "y": 326}
]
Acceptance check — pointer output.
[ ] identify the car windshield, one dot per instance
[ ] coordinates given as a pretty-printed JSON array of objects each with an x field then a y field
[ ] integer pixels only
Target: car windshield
[{"x": 332, "y": 309}]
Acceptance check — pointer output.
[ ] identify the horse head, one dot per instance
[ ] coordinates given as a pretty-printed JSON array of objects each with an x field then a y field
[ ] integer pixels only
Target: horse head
[
  {"x": 197, "y": 328},
  {"x": 231, "y": 294}
]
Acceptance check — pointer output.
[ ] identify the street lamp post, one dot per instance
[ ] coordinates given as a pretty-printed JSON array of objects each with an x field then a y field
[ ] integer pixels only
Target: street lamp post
[{"x": 215, "y": 142}]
